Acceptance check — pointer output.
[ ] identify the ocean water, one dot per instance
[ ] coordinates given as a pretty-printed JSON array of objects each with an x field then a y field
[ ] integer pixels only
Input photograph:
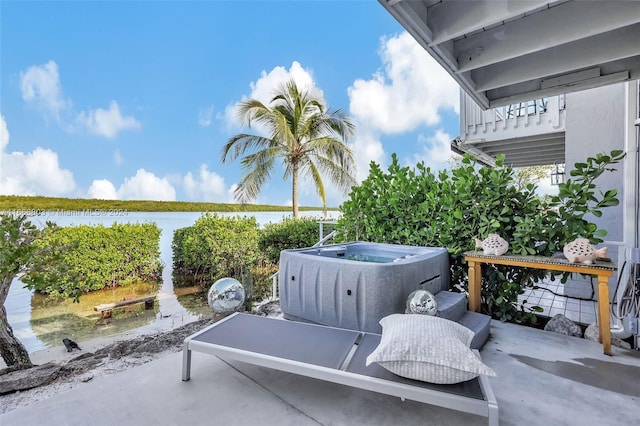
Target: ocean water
[{"x": 40, "y": 323}]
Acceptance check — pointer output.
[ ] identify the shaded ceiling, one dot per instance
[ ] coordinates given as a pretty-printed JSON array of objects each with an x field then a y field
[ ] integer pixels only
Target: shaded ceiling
[
  {"x": 519, "y": 152},
  {"x": 507, "y": 51}
]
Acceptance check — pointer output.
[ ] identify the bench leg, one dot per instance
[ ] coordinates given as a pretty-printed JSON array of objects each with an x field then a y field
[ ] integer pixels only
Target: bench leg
[
  {"x": 475, "y": 285},
  {"x": 186, "y": 363},
  {"x": 604, "y": 318}
]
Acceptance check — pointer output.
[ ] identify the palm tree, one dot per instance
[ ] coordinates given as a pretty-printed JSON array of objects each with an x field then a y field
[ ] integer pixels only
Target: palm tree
[{"x": 310, "y": 140}]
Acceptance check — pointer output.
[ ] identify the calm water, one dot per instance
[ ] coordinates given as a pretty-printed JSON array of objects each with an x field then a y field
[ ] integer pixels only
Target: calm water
[{"x": 40, "y": 323}]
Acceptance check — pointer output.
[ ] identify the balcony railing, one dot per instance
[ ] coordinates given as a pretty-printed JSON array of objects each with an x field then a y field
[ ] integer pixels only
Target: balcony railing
[{"x": 537, "y": 117}]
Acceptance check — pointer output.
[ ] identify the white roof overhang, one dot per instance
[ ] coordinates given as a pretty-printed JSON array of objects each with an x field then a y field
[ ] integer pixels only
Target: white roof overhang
[{"x": 507, "y": 51}]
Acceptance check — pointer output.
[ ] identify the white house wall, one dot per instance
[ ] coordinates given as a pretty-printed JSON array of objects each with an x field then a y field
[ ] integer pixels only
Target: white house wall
[{"x": 595, "y": 123}]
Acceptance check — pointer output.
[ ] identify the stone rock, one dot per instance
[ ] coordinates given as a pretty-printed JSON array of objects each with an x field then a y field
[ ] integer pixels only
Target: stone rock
[
  {"x": 269, "y": 309},
  {"x": 593, "y": 333},
  {"x": 80, "y": 365},
  {"x": 20, "y": 380},
  {"x": 563, "y": 325}
]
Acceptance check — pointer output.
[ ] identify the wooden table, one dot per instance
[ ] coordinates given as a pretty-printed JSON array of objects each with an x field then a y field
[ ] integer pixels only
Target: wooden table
[{"x": 602, "y": 270}]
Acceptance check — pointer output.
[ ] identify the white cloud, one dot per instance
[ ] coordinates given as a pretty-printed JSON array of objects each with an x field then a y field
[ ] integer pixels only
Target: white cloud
[
  {"x": 205, "y": 116},
  {"x": 143, "y": 185},
  {"x": 436, "y": 151},
  {"x": 146, "y": 186},
  {"x": 367, "y": 148},
  {"x": 410, "y": 91},
  {"x": 117, "y": 157},
  {"x": 41, "y": 88},
  {"x": 102, "y": 189},
  {"x": 4, "y": 134},
  {"x": 107, "y": 122},
  {"x": 207, "y": 186},
  {"x": 35, "y": 173}
]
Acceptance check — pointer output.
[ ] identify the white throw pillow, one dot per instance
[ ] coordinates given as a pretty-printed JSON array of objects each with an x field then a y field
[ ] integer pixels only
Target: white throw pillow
[{"x": 427, "y": 348}]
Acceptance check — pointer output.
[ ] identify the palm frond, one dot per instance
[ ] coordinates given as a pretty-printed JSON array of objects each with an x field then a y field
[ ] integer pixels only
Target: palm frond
[
  {"x": 333, "y": 150},
  {"x": 317, "y": 180},
  {"x": 238, "y": 145},
  {"x": 338, "y": 175},
  {"x": 257, "y": 167}
]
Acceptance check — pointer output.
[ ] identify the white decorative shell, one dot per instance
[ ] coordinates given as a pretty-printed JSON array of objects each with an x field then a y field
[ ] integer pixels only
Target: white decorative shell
[
  {"x": 580, "y": 250},
  {"x": 493, "y": 244}
]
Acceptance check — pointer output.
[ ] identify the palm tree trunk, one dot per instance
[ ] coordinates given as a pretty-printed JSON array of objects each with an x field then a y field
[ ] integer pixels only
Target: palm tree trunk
[
  {"x": 12, "y": 350},
  {"x": 294, "y": 190}
]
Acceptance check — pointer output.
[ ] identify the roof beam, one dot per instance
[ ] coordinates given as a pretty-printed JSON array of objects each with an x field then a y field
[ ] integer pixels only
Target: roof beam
[
  {"x": 447, "y": 23},
  {"x": 523, "y": 96},
  {"x": 615, "y": 45},
  {"x": 564, "y": 23}
]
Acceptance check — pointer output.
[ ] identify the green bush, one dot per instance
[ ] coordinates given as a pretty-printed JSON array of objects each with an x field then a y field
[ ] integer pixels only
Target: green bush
[
  {"x": 288, "y": 234},
  {"x": 262, "y": 283},
  {"x": 78, "y": 259},
  {"x": 450, "y": 209},
  {"x": 217, "y": 246}
]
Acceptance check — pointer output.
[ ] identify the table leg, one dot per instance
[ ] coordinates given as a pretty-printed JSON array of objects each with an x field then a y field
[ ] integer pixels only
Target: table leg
[
  {"x": 475, "y": 285},
  {"x": 186, "y": 362},
  {"x": 604, "y": 317}
]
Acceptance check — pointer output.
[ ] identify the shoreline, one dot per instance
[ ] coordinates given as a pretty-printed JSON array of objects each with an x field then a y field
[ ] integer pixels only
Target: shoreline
[
  {"x": 59, "y": 354},
  {"x": 108, "y": 355},
  {"x": 98, "y": 357}
]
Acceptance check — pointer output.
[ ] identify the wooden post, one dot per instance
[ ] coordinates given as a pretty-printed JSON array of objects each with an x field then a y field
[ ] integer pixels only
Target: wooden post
[
  {"x": 475, "y": 285},
  {"x": 604, "y": 317}
]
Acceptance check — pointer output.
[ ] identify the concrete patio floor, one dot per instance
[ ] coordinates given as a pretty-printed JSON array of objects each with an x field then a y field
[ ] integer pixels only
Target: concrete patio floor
[{"x": 543, "y": 379}]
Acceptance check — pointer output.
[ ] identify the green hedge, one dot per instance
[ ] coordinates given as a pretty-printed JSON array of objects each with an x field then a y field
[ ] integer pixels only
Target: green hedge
[
  {"x": 78, "y": 259},
  {"x": 451, "y": 208},
  {"x": 288, "y": 234},
  {"x": 217, "y": 246}
]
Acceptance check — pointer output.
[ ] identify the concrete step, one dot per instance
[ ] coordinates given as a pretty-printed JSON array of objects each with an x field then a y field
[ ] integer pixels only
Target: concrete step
[
  {"x": 479, "y": 324},
  {"x": 451, "y": 306}
]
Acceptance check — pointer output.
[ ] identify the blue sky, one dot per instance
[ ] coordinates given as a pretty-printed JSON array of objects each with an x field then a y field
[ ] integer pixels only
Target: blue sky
[{"x": 134, "y": 100}]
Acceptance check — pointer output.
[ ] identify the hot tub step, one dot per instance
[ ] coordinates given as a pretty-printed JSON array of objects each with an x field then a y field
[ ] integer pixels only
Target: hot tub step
[
  {"x": 451, "y": 306},
  {"x": 479, "y": 324}
]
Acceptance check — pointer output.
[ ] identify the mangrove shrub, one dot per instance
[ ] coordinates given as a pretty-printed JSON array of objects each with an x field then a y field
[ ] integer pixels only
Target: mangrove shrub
[
  {"x": 217, "y": 246},
  {"x": 89, "y": 258}
]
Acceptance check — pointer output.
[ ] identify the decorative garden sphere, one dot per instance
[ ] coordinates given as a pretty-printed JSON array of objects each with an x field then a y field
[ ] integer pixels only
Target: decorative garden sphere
[
  {"x": 422, "y": 302},
  {"x": 225, "y": 295}
]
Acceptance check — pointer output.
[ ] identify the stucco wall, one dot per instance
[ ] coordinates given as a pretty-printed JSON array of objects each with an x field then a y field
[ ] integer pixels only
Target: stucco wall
[{"x": 595, "y": 123}]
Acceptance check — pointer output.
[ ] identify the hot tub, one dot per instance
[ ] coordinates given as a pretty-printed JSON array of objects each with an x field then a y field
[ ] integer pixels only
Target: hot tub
[{"x": 354, "y": 285}]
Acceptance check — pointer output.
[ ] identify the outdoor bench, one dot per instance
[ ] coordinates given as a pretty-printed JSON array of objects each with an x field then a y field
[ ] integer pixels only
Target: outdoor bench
[
  {"x": 602, "y": 270},
  {"x": 106, "y": 309}
]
